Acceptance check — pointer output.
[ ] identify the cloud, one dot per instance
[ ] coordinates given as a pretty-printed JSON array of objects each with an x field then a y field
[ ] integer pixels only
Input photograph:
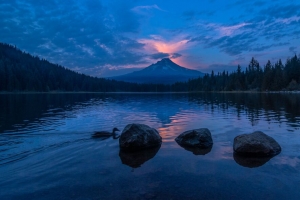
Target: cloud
[
  {"x": 269, "y": 28},
  {"x": 188, "y": 15},
  {"x": 113, "y": 34},
  {"x": 143, "y": 9},
  {"x": 288, "y": 20},
  {"x": 175, "y": 55},
  {"x": 238, "y": 60},
  {"x": 161, "y": 55},
  {"x": 280, "y": 11},
  {"x": 219, "y": 68},
  {"x": 159, "y": 44},
  {"x": 110, "y": 71},
  {"x": 261, "y": 47},
  {"x": 230, "y": 30},
  {"x": 75, "y": 34},
  {"x": 293, "y": 50},
  {"x": 224, "y": 30}
]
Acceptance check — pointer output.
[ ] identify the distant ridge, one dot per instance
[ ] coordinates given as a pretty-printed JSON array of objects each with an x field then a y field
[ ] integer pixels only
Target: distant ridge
[
  {"x": 163, "y": 72},
  {"x": 22, "y": 72}
]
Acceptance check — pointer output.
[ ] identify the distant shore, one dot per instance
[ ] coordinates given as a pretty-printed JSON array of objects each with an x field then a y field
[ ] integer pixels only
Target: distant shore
[{"x": 193, "y": 92}]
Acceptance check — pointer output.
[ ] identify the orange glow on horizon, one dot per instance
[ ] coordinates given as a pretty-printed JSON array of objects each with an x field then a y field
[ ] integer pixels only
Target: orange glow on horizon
[
  {"x": 158, "y": 45},
  {"x": 169, "y": 47},
  {"x": 181, "y": 61}
]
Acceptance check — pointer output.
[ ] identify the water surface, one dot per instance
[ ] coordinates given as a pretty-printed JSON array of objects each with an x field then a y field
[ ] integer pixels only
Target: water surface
[{"x": 46, "y": 149}]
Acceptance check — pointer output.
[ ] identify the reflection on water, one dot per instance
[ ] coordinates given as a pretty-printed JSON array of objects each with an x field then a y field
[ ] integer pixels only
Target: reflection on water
[
  {"x": 198, "y": 151},
  {"x": 250, "y": 161},
  {"x": 46, "y": 149},
  {"x": 29, "y": 111},
  {"x": 136, "y": 159}
]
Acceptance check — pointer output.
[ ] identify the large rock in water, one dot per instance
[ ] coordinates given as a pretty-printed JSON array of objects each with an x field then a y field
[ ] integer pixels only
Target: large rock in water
[
  {"x": 256, "y": 144},
  {"x": 139, "y": 136},
  {"x": 200, "y": 138}
]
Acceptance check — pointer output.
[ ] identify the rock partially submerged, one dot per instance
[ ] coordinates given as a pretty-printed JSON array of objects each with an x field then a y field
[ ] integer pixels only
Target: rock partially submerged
[
  {"x": 139, "y": 136},
  {"x": 256, "y": 144},
  {"x": 197, "y": 138}
]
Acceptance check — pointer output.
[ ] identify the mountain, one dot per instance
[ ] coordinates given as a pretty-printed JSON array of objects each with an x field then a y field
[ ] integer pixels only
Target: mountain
[{"x": 164, "y": 71}]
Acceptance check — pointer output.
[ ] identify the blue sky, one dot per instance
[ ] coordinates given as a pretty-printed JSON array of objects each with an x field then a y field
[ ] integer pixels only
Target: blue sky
[{"x": 112, "y": 37}]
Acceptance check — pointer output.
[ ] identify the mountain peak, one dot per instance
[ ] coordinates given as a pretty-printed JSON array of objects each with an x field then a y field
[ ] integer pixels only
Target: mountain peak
[
  {"x": 166, "y": 60},
  {"x": 163, "y": 71},
  {"x": 165, "y": 64}
]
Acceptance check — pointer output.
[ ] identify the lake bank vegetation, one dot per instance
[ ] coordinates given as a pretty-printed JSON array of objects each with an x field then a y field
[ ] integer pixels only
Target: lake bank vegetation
[{"x": 22, "y": 72}]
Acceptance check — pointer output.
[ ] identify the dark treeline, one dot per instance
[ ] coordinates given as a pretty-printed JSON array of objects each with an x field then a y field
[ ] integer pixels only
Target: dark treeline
[
  {"x": 20, "y": 71},
  {"x": 269, "y": 78}
]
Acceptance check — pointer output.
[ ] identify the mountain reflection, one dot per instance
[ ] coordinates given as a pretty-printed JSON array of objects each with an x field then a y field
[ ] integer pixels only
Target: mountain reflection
[{"x": 163, "y": 111}]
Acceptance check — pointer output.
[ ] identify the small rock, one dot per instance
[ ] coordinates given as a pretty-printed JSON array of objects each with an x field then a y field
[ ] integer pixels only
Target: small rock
[
  {"x": 256, "y": 144},
  {"x": 139, "y": 136},
  {"x": 200, "y": 138}
]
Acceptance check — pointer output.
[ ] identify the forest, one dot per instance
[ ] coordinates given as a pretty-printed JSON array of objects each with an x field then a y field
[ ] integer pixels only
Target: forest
[
  {"x": 20, "y": 71},
  {"x": 271, "y": 77}
]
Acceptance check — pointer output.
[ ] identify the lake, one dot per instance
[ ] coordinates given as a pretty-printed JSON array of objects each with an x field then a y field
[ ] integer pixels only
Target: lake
[{"x": 46, "y": 149}]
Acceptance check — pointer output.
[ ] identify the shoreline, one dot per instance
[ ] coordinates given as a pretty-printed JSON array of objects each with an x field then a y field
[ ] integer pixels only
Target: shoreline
[{"x": 194, "y": 92}]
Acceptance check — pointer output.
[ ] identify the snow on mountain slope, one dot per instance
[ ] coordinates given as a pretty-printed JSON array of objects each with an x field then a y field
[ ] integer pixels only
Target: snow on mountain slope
[{"x": 164, "y": 71}]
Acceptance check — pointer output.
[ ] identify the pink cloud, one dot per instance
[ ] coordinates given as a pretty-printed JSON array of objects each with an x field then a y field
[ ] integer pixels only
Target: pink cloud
[{"x": 158, "y": 44}]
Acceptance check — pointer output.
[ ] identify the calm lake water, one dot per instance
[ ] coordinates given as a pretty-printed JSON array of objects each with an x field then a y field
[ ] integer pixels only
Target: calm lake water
[{"x": 46, "y": 149}]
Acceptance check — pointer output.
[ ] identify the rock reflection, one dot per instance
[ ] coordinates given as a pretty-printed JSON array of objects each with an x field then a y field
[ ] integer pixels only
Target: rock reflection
[
  {"x": 197, "y": 150},
  {"x": 250, "y": 161},
  {"x": 136, "y": 159}
]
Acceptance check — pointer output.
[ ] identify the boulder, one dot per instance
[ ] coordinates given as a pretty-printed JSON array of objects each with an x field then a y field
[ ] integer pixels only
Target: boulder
[
  {"x": 256, "y": 144},
  {"x": 198, "y": 138},
  {"x": 139, "y": 136}
]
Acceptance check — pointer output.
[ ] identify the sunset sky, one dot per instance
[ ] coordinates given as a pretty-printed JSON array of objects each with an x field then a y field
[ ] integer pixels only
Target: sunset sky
[{"x": 113, "y": 37}]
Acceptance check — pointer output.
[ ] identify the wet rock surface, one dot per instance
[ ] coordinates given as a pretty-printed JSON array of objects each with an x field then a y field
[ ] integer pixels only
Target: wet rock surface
[
  {"x": 256, "y": 144},
  {"x": 139, "y": 136},
  {"x": 197, "y": 138}
]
